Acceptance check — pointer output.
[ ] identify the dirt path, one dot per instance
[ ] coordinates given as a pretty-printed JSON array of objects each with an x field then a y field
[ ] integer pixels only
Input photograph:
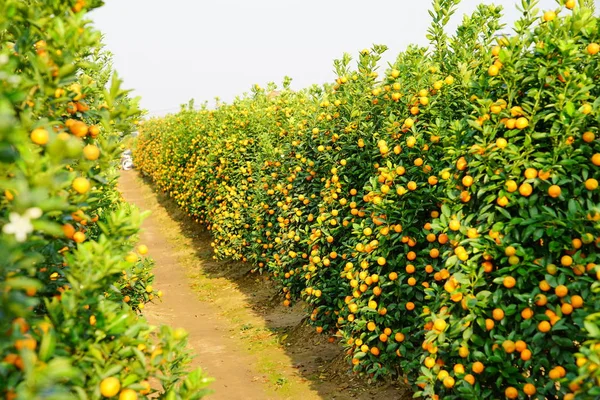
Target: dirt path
[
  {"x": 208, "y": 335},
  {"x": 253, "y": 347}
]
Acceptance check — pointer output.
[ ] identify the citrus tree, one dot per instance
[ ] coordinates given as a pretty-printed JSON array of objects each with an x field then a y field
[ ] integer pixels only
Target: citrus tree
[{"x": 70, "y": 278}]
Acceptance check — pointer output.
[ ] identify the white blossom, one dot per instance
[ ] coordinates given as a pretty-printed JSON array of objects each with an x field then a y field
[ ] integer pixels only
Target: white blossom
[
  {"x": 20, "y": 225},
  {"x": 33, "y": 213}
]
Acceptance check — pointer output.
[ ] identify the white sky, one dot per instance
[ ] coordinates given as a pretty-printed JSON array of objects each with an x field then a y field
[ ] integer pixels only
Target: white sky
[{"x": 175, "y": 50}]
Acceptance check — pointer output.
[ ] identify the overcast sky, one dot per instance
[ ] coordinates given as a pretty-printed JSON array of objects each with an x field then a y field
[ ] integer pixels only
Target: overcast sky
[{"x": 170, "y": 51}]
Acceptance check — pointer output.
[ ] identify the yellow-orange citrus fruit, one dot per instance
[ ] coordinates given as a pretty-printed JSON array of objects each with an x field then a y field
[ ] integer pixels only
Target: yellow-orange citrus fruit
[
  {"x": 91, "y": 152},
  {"x": 522, "y": 123},
  {"x": 511, "y": 393},
  {"x": 549, "y": 16},
  {"x": 509, "y": 282},
  {"x": 593, "y": 48},
  {"x": 591, "y": 184},
  {"x": 81, "y": 185},
  {"x": 109, "y": 387},
  {"x": 128, "y": 394},
  {"x": 544, "y": 326},
  {"x": 554, "y": 191},
  {"x": 40, "y": 136},
  {"x": 79, "y": 237}
]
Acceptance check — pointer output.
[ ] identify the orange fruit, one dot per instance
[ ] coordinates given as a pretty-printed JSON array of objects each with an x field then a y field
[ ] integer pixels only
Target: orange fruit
[
  {"x": 527, "y": 313},
  {"x": 566, "y": 261},
  {"x": 509, "y": 282},
  {"x": 68, "y": 230},
  {"x": 454, "y": 224},
  {"x": 128, "y": 394},
  {"x": 79, "y": 128},
  {"x": 27, "y": 343},
  {"x": 529, "y": 389},
  {"x": 531, "y": 173},
  {"x": 448, "y": 382},
  {"x": 522, "y": 123},
  {"x": 439, "y": 325},
  {"x": 544, "y": 326},
  {"x": 91, "y": 152},
  {"x": 596, "y": 159},
  {"x": 81, "y": 185},
  {"x": 587, "y": 238},
  {"x": 591, "y": 184},
  {"x": 576, "y": 301},
  {"x": 109, "y": 387},
  {"x": 94, "y": 131},
  {"x": 552, "y": 269},
  {"x": 526, "y": 189},
  {"x": 478, "y": 367},
  {"x": 469, "y": 378},
  {"x": 526, "y": 355},
  {"x": 561, "y": 291},
  {"x": 79, "y": 237},
  {"x": 588, "y": 137},
  {"x": 593, "y": 48},
  {"x": 399, "y": 337},
  {"x": 511, "y": 186},
  {"x": 40, "y": 136},
  {"x": 544, "y": 175},
  {"x": 549, "y": 16},
  {"x": 511, "y": 392},
  {"x": 520, "y": 345},
  {"x": 502, "y": 201},
  {"x": 516, "y": 111},
  {"x": 429, "y": 362},
  {"x": 566, "y": 308},
  {"x": 541, "y": 300},
  {"x": 544, "y": 285},
  {"x": 509, "y": 346},
  {"x": 493, "y": 70},
  {"x": 554, "y": 191}
]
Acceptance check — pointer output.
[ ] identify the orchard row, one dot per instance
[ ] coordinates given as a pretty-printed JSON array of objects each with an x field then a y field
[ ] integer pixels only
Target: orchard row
[
  {"x": 441, "y": 218},
  {"x": 70, "y": 279}
]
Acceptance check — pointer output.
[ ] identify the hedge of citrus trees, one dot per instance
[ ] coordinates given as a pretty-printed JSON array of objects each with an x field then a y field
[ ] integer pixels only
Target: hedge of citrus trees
[
  {"x": 440, "y": 218},
  {"x": 70, "y": 280}
]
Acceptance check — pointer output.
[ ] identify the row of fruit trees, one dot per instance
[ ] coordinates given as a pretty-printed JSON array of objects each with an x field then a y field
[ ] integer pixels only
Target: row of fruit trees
[
  {"x": 441, "y": 218},
  {"x": 71, "y": 282}
]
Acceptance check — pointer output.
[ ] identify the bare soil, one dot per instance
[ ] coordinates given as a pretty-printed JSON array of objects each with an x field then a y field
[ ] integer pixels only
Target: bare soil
[{"x": 241, "y": 334}]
